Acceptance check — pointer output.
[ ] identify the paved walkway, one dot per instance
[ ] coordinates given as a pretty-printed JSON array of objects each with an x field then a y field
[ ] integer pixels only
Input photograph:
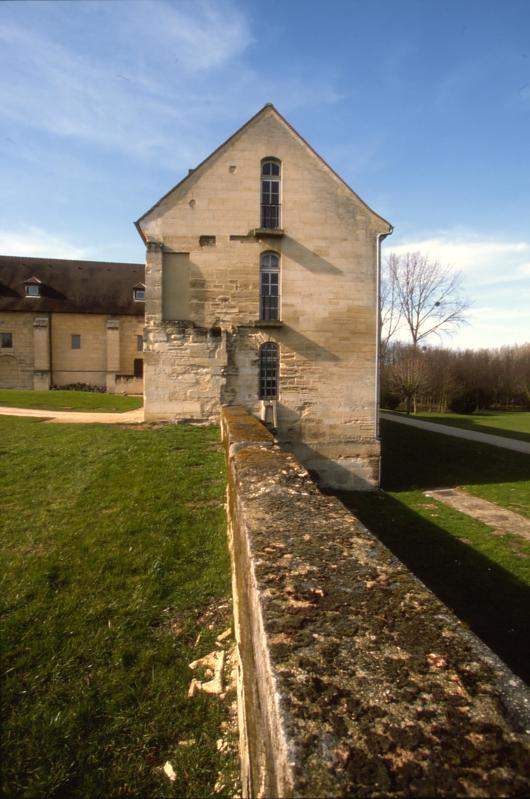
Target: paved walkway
[
  {"x": 76, "y": 417},
  {"x": 459, "y": 432},
  {"x": 501, "y": 519}
]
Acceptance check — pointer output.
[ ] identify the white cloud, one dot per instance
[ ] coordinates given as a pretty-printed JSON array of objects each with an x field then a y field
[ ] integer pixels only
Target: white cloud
[
  {"x": 471, "y": 254},
  {"x": 39, "y": 243},
  {"x": 495, "y": 274}
]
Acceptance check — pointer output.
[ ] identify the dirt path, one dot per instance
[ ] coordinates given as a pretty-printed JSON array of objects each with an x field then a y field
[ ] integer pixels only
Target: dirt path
[
  {"x": 76, "y": 417},
  {"x": 501, "y": 519},
  {"x": 459, "y": 432}
]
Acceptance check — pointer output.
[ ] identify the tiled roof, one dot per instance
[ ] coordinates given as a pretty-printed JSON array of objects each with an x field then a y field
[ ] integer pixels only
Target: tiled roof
[{"x": 70, "y": 286}]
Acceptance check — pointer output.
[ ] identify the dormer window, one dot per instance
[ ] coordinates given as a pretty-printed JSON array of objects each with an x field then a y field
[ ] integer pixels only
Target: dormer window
[
  {"x": 32, "y": 287},
  {"x": 270, "y": 193},
  {"x": 139, "y": 292}
]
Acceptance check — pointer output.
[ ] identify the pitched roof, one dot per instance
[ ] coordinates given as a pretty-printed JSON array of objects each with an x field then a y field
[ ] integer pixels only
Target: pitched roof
[
  {"x": 70, "y": 286},
  {"x": 266, "y": 107}
]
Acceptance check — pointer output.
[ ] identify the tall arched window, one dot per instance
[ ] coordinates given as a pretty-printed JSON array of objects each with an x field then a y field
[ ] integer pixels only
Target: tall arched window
[
  {"x": 268, "y": 370},
  {"x": 270, "y": 193},
  {"x": 269, "y": 286}
]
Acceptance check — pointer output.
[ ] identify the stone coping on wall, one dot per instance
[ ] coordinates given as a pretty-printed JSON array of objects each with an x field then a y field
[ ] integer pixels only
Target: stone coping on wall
[{"x": 355, "y": 679}]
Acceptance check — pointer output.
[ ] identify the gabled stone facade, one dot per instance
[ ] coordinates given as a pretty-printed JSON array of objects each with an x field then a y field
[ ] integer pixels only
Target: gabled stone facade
[{"x": 203, "y": 329}]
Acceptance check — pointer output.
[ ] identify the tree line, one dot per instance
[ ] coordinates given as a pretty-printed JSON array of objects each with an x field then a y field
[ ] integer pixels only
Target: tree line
[
  {"x": 420, "y": 299},
  {"x": 440, "y": 379}
]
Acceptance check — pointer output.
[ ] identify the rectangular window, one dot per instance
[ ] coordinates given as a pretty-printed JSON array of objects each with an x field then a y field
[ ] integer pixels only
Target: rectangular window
[
  {"x": 138, "y": 368},
  {"x": 32, "y": 290},
  {"x": 76, "y": 341},
  {"x": 139, "y": 343},
  {"x": 268, "y": 371},
  {"x": 139, "y": 295},
  {"x": 269, "y": 296},
  {"x": 6, "y": 340}
]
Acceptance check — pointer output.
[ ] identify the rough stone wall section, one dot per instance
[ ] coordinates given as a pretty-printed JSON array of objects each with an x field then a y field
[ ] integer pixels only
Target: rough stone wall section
[
  {"x": 356, "y": 680},
  {"x": 185, "y": 372}
]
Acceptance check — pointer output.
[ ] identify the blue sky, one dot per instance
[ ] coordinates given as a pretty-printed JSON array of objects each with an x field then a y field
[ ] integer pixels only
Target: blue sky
[{"x": 423, "y": 107}]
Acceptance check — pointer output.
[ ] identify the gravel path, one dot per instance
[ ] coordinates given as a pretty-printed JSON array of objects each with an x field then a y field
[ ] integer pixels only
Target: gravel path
[
  {"x": 458, "y": 432},
  {"x": 76, "y": 417},
  {"x": 501, "y": 519}
]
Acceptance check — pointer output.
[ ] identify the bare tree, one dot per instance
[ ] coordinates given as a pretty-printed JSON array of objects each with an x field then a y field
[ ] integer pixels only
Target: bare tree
[
  {"x": 408, "y": 374},
  {"x": 428, "y": 295},
  {"x": 390, "y": 316}
]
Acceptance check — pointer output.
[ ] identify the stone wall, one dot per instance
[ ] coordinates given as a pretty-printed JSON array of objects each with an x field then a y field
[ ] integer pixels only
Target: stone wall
[
  {"x": 184, "y": 372},
  {"x": 355, "y": 679},
  {"x": 16, "y": 363},
  {"x": 42, "y": 351},
  {"x": 125, "y": 384},
  {"x": 87, "y": 364}
]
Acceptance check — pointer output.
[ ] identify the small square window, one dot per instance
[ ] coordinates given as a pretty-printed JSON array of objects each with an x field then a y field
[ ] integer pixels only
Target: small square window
[
  {"x": 139, "y": 295},
  {"x": 32, "y": 290},
  {"x": 76, "y": 341},
  {"x": 6, "y": 340},
  {"x": 139, "y": 343}
]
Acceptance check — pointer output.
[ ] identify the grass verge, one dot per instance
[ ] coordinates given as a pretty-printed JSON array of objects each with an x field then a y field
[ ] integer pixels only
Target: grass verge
[
  {"x": 114, "y": 553},
  {"x": 69, "y": 401},
  {"x": 509, "y": 425},
  {"x": 483, "y": 577}
]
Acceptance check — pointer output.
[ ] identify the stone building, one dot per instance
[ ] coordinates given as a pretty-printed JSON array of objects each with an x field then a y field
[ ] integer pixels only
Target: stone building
[
  {"x": 64, "y": 322},
  {"x": 261, "y": 290}
]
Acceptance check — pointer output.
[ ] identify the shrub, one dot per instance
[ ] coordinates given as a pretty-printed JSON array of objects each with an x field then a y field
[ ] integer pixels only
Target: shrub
[
  {"x": 390, "y": 400},
  {"x": 80, "y": 387},
  {"x": 463, "y": 403}
]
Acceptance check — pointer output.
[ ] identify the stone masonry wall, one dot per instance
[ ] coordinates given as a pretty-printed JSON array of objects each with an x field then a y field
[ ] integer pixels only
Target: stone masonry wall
[
  {"x": 355, "y": 679},
  {"x": 184, "y": 372},
  {"x": 108, "y": 348},
  {"x": 16, "y": 363}
]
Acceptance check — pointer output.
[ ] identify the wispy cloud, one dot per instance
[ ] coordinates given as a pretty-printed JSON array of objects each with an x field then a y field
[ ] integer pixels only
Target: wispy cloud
[
  {"x": 35, "y": 242},
  {"x": 203, "y": 35},
  {"x": 173, "y": 74}
]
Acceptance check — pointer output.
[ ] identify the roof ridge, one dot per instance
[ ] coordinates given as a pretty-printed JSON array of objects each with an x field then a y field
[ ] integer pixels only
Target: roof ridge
[{"x": 40, "y": 258}]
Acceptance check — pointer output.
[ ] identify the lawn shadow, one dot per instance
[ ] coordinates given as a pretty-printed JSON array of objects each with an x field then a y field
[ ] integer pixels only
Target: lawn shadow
[
  {"x": 490, "y": 600},
  {"x": 419, "y": 459}
]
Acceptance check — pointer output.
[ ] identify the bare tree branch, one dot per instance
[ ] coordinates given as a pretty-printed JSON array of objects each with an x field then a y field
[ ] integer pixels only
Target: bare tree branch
[
  {"x": 390, "y": 316},
  {"x": 428, "y": 296}
]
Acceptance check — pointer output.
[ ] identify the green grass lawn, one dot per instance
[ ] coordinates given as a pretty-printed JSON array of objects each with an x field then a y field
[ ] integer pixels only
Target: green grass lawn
[
  {"x": 114, "y": 559},
  {"x": 69, "y": 400},
  {"x": 499, "y": 423},
  {"x": 484, "y": 578}
]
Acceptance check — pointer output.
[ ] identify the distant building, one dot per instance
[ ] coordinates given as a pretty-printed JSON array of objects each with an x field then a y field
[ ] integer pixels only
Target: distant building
[
  {"x": 262, "y": 290},
  {"x": 64, "y": 322}
]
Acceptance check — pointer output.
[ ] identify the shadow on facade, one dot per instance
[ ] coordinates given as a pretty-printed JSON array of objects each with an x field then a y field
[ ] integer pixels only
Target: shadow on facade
[
  {"x": 307, "y": 258},
  {"x": 304, "y": 346}
]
